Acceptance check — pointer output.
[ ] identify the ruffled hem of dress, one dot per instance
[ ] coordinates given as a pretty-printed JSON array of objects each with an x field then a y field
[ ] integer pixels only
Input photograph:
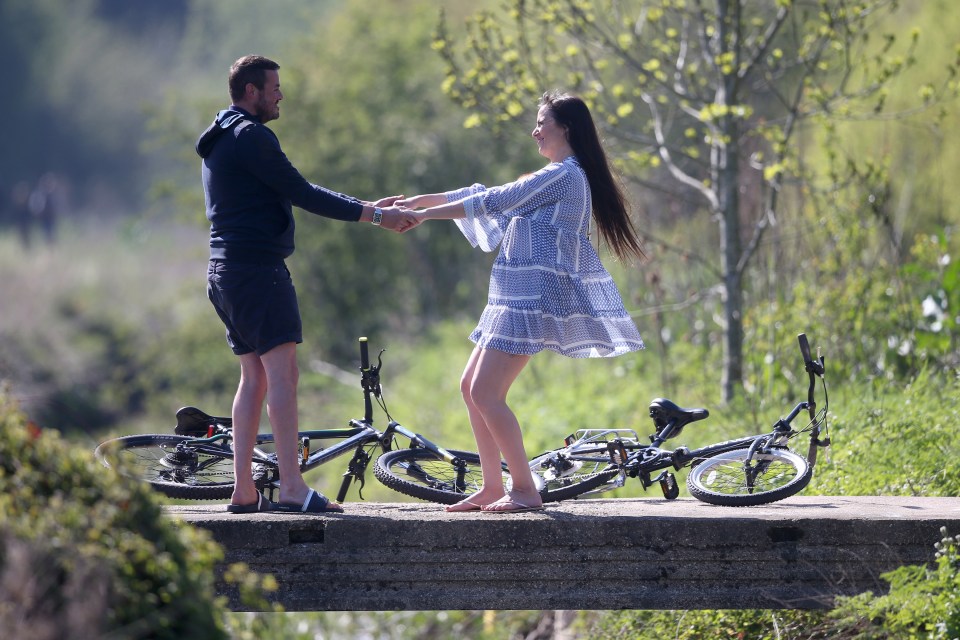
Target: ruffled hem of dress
[
  {"x": 595, "y": 350},
  {"x": 529, "y": 332}
]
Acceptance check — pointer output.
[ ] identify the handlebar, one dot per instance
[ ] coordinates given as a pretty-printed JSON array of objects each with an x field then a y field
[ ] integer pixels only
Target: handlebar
[
  {"x": 369, "y": 381},
  {"x": 364, "y": 355},
  {"x": 812, "y": 366}
]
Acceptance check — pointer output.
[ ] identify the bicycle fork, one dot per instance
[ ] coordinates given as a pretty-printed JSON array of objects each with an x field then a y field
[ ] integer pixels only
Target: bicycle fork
[{"x": 355, "y": 470}]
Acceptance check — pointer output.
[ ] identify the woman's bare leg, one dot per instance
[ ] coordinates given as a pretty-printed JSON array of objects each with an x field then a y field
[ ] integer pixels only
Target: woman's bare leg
[
  {"x": 490, "y": 466},
  {"x": 493, "y": 375},
  {"x": 485, "y": 384}
]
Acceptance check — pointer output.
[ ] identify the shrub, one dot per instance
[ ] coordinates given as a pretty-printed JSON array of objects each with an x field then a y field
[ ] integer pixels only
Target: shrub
[{"x": 85, "y": 553}]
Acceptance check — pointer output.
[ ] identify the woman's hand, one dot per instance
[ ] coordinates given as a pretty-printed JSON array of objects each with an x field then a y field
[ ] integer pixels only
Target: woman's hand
[
  {"x": 389, "y": 201},
  {"x": 422, "y": 201}
]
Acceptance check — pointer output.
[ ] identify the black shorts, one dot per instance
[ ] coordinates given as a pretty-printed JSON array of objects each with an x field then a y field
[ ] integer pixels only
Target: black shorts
[{"x": 257, "y": 303}]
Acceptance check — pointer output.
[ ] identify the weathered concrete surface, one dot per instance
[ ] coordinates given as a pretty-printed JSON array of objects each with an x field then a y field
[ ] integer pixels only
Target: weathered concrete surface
[{"x": 583, "y": 554}]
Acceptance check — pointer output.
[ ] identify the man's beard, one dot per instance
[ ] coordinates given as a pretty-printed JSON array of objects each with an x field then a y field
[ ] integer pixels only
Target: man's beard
[{"x": 267, "y": 112}]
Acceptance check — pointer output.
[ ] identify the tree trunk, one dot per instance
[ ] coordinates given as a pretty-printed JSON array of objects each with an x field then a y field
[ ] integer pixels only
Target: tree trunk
[
  {"x": 726, "y": 163},
  {"x": 730, "y": 251}
]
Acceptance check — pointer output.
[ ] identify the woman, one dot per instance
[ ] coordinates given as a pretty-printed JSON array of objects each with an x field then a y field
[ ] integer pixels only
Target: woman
[{"x": 548, "y": 289}]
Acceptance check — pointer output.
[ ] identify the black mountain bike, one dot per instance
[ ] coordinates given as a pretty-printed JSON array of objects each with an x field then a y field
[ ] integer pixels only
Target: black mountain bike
[
  {"x": 197, "y": 462},
  {"x": 745, "y": 471}
]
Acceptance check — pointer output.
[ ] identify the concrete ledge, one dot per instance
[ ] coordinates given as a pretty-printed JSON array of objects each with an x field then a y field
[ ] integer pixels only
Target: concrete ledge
[{"x": 583, "y": 554}]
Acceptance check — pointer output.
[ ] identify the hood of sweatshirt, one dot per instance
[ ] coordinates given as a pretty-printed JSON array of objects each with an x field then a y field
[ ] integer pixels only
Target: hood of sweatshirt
[{"x": 225, "y": 120}]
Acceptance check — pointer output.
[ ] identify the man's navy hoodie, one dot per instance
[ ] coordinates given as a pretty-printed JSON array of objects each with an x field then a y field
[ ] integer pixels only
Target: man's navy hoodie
[{"x": 250, "y": 185}]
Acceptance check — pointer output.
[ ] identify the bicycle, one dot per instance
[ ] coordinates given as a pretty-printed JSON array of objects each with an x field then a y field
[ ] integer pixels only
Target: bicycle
[
  {"x": 197, "y": 462},
  {"x": 745, "y": 471}
]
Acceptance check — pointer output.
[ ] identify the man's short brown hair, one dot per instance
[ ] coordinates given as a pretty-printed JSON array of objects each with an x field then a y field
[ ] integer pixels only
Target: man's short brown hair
[{"x": 249, "y": 69}]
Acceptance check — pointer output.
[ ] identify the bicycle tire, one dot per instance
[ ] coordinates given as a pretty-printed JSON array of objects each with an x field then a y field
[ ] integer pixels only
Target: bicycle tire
[
  {"x": 721, "y": 479},
  {"x": 420, "y": 473},
  {"x": 437, "y": 483},
  {"x": 157, "y": 460},
  {"x": 587, "y": 477}
]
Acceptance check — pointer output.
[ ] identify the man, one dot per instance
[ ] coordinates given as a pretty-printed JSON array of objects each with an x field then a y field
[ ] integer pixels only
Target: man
[{"x": 250, "y": 187}]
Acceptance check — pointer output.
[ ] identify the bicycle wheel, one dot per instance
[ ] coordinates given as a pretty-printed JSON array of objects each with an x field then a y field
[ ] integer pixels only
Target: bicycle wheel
[
  {"x": 421, "y": 474},
  {"x": 561, "y": 478},
  {"x": 723, "y": 479},
  {"x": 175, "y": 468}
]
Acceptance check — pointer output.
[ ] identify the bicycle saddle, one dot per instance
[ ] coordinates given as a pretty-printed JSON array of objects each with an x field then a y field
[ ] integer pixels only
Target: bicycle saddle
[
  {"x": 194, "y": 422},
  {"x": 665, "y": 412}
]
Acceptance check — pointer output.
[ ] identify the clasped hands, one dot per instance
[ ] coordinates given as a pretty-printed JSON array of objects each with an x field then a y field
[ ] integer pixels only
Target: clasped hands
[{"x": 397, "y": 216}]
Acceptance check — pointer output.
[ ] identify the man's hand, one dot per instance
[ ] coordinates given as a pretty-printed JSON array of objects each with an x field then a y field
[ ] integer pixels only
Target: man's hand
[{"x": 399, "y": 219}]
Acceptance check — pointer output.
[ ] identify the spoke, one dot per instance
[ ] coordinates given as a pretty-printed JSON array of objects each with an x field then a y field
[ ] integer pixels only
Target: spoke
[
  {"x": 731, "y": 477},
  {"x": 160, "y": 463}
]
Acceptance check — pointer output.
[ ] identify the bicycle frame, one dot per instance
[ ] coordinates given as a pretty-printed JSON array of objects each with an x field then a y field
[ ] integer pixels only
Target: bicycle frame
[{"x": 361, "y": 437}]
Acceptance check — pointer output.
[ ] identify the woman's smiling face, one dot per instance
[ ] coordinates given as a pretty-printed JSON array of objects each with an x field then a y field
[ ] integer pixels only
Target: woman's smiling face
[{"x": 551, "y": 137}]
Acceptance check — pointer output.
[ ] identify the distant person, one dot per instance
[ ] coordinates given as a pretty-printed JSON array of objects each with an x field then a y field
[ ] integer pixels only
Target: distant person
[
  {"x": 20, "y": 204},
  {"x": 250, "y": 187},
  {"x": 44, "y": 204},
  {"x": 548, "y": 289}
]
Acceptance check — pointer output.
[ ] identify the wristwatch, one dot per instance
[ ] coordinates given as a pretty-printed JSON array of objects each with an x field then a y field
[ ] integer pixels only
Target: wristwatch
[{"x": 377, "y": 216}]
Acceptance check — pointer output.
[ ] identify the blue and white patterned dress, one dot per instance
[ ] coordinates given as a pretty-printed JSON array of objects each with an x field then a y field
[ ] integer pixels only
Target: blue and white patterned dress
[{"x": 548, "y": 288}]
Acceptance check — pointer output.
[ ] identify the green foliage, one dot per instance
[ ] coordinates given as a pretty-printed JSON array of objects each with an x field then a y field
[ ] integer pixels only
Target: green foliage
[
  {"x": 920, "y": 417},
  {"x": 691, "y": 625},
  {"x": 91, "y": 71},
  {"x": 97, "y": 550},
  {"x": 923, "y": 602},
  {"x": 98, "y": 340},
  {"x": 875, "y": 317}
]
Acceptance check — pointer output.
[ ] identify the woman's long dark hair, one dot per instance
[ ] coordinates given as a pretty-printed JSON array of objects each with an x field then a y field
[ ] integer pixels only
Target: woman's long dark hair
[{"x": 609, "y": 203}]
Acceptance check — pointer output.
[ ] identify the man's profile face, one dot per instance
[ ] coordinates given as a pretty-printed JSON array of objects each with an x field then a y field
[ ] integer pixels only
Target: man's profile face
[{"x": 268, "y": 100}]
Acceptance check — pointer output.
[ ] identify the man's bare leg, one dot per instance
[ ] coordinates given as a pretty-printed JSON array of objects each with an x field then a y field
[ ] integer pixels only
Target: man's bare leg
[
  {"x": 247, "y": 407},
  {"x": 282, "y": 373}
]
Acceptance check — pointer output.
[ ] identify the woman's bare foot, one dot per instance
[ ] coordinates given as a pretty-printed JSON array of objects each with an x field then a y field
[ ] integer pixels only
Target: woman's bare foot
[
  {"x": 475, "y": 502},
  {"x": 515, "y": 502},
  {"x": 464, "y": 505}
]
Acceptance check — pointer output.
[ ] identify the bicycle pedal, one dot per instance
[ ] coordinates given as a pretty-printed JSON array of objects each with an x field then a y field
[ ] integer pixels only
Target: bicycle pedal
[
  {"x": 304, "y": 451},
  {"x": 618, "y": 453},
  {"x": 668, "y": 484}
]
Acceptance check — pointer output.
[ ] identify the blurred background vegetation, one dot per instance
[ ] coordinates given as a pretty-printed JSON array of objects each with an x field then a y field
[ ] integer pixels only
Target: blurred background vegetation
[{"x": 105, "y": 327}]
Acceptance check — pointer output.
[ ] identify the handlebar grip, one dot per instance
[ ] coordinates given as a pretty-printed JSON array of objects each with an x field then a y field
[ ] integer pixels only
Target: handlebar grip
[
  {"x": 364, "y": 355},
  {"x": 805, "y": 348}
]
